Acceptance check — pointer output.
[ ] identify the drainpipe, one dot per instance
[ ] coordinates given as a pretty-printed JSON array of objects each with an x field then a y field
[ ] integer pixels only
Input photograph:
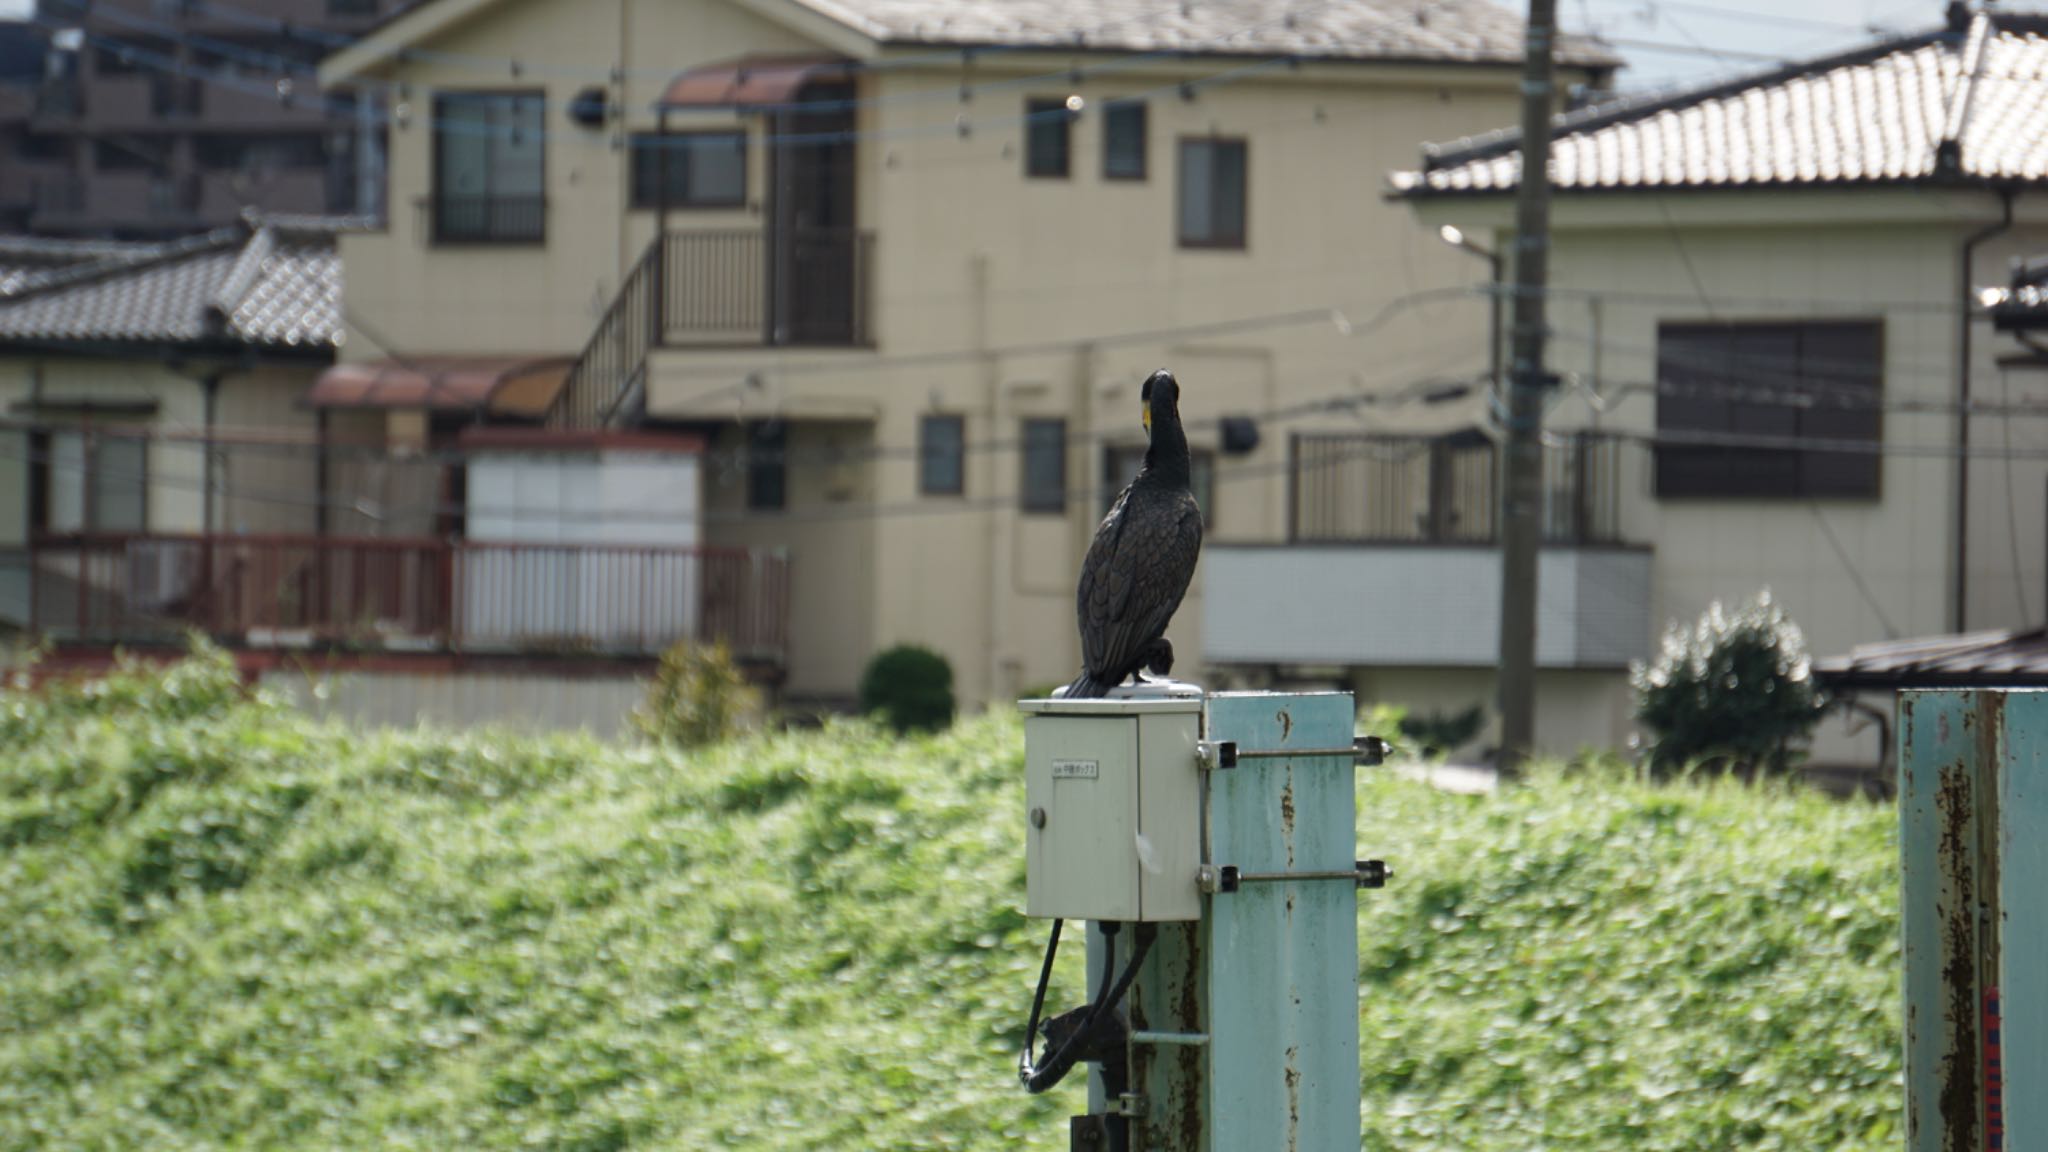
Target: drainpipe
[
  {"x": 210, "y": 384},
  {"x": 1958, "y": 609}
]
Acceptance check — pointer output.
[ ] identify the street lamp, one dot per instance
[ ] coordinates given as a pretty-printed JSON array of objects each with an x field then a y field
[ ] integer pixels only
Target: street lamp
[{"x": 1455, "y": 237}]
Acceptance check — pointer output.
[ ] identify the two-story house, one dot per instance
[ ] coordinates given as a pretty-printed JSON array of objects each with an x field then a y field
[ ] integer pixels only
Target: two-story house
[
  {"x": 1765, "y": 294},
  {"x": 904, "y": 262}
]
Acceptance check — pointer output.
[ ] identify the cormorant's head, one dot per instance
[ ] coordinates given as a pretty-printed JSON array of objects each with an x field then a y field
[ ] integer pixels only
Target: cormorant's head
[{"x": 1160, "y": 394}]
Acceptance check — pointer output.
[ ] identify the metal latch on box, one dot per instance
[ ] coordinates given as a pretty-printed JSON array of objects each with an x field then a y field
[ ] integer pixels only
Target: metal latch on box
[
  {"x": 1218, "y": 755},
  {"x": 1228, "y": 877}
]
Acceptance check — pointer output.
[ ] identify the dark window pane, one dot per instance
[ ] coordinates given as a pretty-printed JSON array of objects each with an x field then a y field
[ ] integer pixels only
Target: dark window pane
[
  {"x": 1761, "y": 410},
  {"x": 1048, "y": 128},
  {"x": 1213, "y": 193},
  {"x": 1123, "y": 140},
  {"x": 942, "y": 451},
  {"x": 1045, "y": 465},
  {"x": 705, "y": 169},
  {"x": 489, "y": 167},
  {"x": 120, "y": 485},
  {"x": 768, "y": 466}
]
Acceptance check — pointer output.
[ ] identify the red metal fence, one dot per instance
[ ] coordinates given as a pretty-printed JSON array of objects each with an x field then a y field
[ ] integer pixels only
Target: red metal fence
[{"x": 410, "y": 594}]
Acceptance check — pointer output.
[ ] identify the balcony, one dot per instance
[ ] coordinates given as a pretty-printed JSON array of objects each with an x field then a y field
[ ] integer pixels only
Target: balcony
[
  {"x": 406, "y": 594},
  {"x": 718, "y": 288},
  {"x": 1394, "y": 561}
]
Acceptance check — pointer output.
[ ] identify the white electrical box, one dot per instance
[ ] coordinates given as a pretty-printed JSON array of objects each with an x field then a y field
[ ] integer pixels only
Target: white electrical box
[{"x": 1113, "y": 806}]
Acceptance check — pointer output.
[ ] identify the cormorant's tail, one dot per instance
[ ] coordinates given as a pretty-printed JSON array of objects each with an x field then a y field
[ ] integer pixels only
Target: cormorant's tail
[{"x": 1086, "y": 687}]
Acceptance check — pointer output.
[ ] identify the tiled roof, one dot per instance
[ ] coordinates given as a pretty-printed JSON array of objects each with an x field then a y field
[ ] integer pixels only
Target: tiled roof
[
  {"x": 267, "y": 282},
  {"x": 26, "y": 261},
  {"x": 1988, "y": 659},
  {"x": 1461, "y": 31},
  {"x": 1967, "y": 103}
]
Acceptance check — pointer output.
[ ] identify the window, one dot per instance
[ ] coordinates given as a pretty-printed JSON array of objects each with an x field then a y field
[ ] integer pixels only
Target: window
[
  {"x": 97, "y": 484},
  {"x": 1048, "y": 133},
  {"x": 1212, "y": 193},
  {"x": 1045, "y": 465},
  {"x": 768, "y": 466},
  {"x": 1123, "y": 140},
  {"x": 705, "y": 169},
  {"x": 1120, "y": 464},
  {"x": 142, "y": 54},
  {"x": 260, "y": 152},
  {"x": 942, "y": 456},
  {"x": 113, "y": 156},
  {"x": 489, "y": 177},
  {"x": 1771, "y": 382}
]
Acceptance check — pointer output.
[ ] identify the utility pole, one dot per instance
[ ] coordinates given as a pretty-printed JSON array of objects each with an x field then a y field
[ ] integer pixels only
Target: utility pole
[{"x": 1521, "y": 504}]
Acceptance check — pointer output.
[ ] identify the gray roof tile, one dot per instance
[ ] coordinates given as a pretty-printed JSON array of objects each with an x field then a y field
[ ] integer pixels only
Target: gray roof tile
[
  {"x": 1461, "y": 31},
  {"x": 1880, "y": 114},
  {"x": 273, "y": 283}
]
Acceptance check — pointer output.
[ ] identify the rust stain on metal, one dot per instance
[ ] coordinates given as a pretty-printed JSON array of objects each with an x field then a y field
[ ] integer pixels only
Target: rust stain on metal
[
  {"x": 1188, "y": 1108},
  {"x": 1959, "y": 1091},
  {"x": 1286, "y": 723},
  {"x": 1293, "y": 1098}
]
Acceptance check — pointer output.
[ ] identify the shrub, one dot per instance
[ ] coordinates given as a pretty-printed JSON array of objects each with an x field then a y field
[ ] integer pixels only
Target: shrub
[
  {"x": 1736, "y": 688},
  {"x": 1435, "y": 733},
  {"x": 908, "y": 688},
  {"x": 698, "y": 697}
]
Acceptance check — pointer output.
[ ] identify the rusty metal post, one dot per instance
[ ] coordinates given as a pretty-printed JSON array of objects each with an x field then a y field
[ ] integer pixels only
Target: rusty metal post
[{"x": 1973, "y": 810}]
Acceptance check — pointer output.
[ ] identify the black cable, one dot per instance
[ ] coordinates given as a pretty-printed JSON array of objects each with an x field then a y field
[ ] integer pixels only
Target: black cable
[{"x": 1039, "y": 1079}]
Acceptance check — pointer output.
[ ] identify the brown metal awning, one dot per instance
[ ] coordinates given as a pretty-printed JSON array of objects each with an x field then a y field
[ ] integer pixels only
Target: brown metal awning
[
  {"x": 518, "y": 387},
  {"x": 751, "y": 81}
]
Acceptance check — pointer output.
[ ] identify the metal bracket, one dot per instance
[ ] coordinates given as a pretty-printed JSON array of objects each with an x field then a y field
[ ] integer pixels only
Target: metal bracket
[
  {"x": 1130, "y": 1104},
  {"x": 1228, "y": 877},
  {"x": 1370, "y": 751},
  {"x": 1182, "y": 1039}
]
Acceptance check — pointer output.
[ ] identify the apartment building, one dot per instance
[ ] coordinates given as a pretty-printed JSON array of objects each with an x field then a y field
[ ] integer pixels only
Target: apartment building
[
  {"x": 153, "y": 119},
  {"x": 901, "y": 265}
]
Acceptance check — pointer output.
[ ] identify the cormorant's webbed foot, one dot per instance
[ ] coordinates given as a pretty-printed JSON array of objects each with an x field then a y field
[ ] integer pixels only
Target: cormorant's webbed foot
[{"x": 1157, "y": 658}]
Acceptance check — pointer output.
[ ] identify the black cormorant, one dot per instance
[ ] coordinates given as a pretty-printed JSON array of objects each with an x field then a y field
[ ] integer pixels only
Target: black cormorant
[{"x": 1143, "y": 556}]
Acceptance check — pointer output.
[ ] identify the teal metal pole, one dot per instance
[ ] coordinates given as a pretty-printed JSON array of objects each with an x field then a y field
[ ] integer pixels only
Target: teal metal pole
[{"x": 1246, "y": 1021}]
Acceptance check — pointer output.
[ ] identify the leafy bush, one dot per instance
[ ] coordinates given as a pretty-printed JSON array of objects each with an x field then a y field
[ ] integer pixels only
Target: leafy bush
[
  {"x": 811, "y": 942},
  {"x": 909, "y": 689},
  {"x": 1735, "y": 688},
  {"x": 699, "y": 696},
  {"x": 1440, "y": 732}
]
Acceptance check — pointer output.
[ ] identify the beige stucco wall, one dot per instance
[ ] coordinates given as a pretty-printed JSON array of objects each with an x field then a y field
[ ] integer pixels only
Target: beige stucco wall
[{"x": 261, "y": 490}]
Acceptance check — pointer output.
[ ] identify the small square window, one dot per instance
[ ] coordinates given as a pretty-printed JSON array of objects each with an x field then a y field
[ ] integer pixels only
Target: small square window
[
  {"x": 1123, "y": 140},
  {"x": 1048, "y": 133},
  {"x": 768, "y": 466},
  {"x": 1045, "y": 465},
  {"x": 704, "y": 169},
  {"x": 1212, "y": 193},
  {"x": 942, "y": 451}
]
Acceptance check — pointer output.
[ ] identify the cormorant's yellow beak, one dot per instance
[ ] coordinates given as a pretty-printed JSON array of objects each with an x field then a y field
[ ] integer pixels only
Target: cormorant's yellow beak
[{"x": 1148, "y": 419}]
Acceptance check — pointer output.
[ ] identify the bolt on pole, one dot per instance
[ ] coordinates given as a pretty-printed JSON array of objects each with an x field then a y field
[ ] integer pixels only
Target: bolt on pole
[{"x": 1522, "y": 514}]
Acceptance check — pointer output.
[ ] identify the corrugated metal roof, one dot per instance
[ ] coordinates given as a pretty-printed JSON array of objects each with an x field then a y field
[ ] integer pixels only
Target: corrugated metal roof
[
  {"x": 1959, "y": 104},
  {"x": 1459, "y": 31},
  {"x": 1971, "y": 659},
  {"x": 267, "y": 282}
]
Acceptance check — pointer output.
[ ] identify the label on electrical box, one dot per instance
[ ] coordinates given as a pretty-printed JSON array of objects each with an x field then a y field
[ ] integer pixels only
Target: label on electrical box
[{"x": 1076, "y": 769}]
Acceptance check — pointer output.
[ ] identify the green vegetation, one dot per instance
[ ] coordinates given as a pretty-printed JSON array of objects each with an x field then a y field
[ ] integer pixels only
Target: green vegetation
[
  {"x": 1734, "y": 689},
  {"x": 909, "y": 689},
  {"x": 699, "y": 696},
  {"x": 229, "y": 927}
]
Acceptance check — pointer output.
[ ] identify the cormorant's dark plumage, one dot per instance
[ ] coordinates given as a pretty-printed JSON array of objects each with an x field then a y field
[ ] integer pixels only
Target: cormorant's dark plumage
[{"x": 1142, "y": 558}]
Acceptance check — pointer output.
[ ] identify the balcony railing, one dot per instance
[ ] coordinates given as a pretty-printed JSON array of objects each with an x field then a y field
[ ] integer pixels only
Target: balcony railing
[
  {"x": 413, "y": 594},
  {"x": 809, "y": 287},
  {"x": 452, "y": 219},
  {"x": 1377, "y": 489}
]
